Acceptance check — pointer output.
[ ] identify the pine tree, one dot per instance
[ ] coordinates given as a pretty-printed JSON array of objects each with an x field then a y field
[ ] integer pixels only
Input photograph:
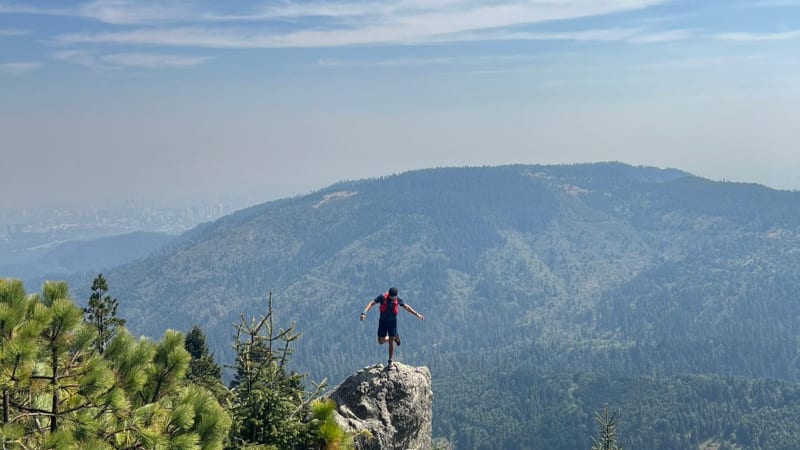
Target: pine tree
[
  {"x": 268, "y": 401},
  {"x": 68, "y": 383},
  {"x": 22, "y": 320},
  {"x": 202, "y": 368},
  {"x": 102, "y": 313},
  {"x": 159, "y": 406},
  {"x": 202, "y": 364},
  {"x": 60, "y": 393},
  {"x": 162, "y": 408},
  {"x": 608, "y": 430}
]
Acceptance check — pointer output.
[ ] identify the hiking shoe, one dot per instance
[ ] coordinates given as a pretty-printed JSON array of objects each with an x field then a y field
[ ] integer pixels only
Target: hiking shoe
[
  {"x": 397, "y": 340},
  {"x": 389, "y": 366}
]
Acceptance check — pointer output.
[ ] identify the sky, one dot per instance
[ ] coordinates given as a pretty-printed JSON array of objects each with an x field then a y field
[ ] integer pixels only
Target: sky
[{"x": 105, "y": 101}]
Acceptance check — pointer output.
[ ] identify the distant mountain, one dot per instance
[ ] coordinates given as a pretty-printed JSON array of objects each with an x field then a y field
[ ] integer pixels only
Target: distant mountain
[
  {"x": 549, "y": 270},
  {"x": 88, "y": 255}
]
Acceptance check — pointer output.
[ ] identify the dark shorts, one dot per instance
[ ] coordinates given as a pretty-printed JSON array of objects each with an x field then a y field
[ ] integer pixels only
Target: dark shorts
[{"x": 387, "y": 328}]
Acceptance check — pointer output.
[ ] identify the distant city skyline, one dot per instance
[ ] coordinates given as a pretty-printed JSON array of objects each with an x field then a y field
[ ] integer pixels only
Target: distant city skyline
[{"x": 105, "y": 101}]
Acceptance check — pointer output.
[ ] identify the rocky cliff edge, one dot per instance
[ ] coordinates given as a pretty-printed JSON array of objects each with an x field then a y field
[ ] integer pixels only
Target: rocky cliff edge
[{"x": 387, "y": 409}]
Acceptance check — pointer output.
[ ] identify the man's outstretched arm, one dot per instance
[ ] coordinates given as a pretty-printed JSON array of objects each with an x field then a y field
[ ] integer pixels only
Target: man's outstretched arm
[
  {"x": 411, "y": 310},
  {"x": 367, "y": 308}
]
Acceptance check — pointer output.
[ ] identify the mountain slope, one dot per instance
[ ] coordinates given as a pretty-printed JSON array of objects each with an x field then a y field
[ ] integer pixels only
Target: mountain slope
[
  {"x": 88, "y": 255},
  {"x": 565, "y": 254}
]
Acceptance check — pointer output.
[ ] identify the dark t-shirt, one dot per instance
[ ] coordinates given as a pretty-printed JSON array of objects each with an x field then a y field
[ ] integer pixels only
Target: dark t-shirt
[{"x": 387, "y": 315}]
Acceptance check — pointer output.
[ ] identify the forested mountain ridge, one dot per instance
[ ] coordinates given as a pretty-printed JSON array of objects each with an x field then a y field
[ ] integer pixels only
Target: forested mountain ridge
[
  {"x": 549, "y": 270},
  {"x": 83, "y": 255},
  {"x": 424, "y": 231}
]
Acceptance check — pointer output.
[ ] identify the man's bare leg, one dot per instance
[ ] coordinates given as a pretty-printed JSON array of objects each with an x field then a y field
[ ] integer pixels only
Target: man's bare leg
[{"x": 390, "y": 339}]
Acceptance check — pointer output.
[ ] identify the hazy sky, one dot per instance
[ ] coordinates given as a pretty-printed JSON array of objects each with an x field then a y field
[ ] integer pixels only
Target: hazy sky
[{"x": 107, "y": 100}]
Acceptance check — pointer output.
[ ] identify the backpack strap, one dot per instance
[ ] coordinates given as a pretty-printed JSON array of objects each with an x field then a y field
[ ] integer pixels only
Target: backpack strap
[{"x": 384, "y": 302}]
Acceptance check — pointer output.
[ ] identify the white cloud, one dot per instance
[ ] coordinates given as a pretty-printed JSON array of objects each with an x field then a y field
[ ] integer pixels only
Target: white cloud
[
  {"x": 769, "y": 3},
  {"x": 462, "y": 60},
  {"x": 362, "y": 23},
  {"x": 13, "y": 32},
  {"x": 357, "y": 11},
  {"x": 702, "y": 63},
  {"x": 135, "y": 12},
  {"x": 116, "y": 61},
  {"x": 350, "y": 23},
  {"x": 779, "y": 36},
  {"x": 437, "y": 14},
  {"x": 9, "y": 8},
  {"x": 248, "y": 38},
  {"x": 111, "y": 11},
  {"x": 82, "y": 58},
  {"x": 182, "y": 36},
  {"x": 594, "y": 35},
  {"x": 19, "y": 68},
  {"x": 662, "y": 36},
  {"x": 153, "y": 60}
]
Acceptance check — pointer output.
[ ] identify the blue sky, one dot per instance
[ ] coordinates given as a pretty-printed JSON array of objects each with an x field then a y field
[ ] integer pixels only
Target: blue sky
[{"x": 111, "y": 100}]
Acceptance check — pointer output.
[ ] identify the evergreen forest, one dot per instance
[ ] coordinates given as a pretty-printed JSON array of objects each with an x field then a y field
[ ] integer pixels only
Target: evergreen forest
[{"x": 74, "y": 378}]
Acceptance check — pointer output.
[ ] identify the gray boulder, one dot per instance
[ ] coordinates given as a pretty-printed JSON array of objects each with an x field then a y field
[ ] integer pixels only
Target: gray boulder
[{"x": 386, "y": 409}]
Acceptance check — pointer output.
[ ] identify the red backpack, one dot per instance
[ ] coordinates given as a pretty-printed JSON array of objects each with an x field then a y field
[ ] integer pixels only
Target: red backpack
[{"x": 385, "y": 303}]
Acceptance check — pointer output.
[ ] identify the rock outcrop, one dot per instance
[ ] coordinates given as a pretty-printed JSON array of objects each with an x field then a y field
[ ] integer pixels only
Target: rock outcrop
[{"x": 387, "y": 409}]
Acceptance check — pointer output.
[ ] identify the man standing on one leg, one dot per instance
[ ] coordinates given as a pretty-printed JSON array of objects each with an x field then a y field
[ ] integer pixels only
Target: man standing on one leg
[{"x": 387, "y": 325}]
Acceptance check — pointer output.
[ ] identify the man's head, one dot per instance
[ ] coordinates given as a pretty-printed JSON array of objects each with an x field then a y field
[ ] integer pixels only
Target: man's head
[{"x": 393, "y": 292}]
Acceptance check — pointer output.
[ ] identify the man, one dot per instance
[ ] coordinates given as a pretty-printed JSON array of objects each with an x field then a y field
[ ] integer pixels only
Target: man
[{"x": 387, "y": 325}]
